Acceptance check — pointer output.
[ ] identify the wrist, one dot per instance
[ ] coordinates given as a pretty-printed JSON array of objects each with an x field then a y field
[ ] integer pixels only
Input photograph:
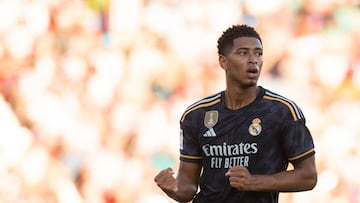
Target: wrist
[{"x": 180, "y": 195}]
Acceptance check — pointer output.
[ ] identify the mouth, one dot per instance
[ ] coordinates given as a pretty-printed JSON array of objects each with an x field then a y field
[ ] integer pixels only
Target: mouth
[{"x": 252, "y": 72}]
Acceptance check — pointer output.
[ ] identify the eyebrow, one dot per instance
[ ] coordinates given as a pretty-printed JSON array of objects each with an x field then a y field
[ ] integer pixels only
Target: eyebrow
[{"x": 246, "y": 48}]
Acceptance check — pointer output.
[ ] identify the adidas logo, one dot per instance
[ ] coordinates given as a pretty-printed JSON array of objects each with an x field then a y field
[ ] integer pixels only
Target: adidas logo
[{"x": 210, "y": 133}]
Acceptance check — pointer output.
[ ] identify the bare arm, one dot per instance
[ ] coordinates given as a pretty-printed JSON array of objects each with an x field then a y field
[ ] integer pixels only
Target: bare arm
[
  {"x": 303, "y": 177},
  {"x": 182, "y": 188}
]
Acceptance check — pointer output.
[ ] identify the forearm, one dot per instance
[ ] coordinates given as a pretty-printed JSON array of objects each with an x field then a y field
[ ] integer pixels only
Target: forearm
[
  {"x": 287, "y": 181},
  {"x": 182, "y": 188},
  {"x": 183, "y": 192}
]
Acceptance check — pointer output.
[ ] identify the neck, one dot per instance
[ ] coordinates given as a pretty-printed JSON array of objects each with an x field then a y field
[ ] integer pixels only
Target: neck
[{"x": 238, "y": 98}]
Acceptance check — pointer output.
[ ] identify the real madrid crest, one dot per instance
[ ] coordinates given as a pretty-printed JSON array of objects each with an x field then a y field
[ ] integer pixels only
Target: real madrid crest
[
  {"x": 255, "y": 127},
  {"x": 211, "y": 118}
]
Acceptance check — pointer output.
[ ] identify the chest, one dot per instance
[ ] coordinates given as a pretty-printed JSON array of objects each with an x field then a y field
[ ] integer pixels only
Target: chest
[{"x": 219, "y": 127}]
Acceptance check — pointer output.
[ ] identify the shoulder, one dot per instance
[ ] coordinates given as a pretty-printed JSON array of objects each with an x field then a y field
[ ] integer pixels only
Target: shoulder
[
  {"x": 283, "y": 103},
  {"x": 202, "y": 103}
]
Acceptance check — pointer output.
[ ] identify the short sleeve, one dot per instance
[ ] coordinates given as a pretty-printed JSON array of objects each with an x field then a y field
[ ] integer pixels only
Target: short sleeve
[
  {"x": 297, "y": 141},
  {"x": 189, "y": 144}
]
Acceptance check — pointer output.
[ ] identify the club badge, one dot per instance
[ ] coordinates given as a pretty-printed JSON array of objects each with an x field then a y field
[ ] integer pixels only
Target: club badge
[
  {"x": 255, "y": 127},
  {"x": 211, "y": 118}
]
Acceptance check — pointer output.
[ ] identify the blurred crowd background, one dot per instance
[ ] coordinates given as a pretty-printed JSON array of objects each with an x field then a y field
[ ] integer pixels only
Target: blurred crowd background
[{"x": 92, "y": 90}]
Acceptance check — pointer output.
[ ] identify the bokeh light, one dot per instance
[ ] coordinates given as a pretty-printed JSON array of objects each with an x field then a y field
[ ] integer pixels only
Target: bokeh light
[{"x": 91, "y": 92}]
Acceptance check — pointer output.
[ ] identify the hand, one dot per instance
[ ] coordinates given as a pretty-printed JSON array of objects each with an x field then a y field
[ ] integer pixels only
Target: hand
[
  {"x": 166, "y": 181},
  {"x": 239, "y": 178}
]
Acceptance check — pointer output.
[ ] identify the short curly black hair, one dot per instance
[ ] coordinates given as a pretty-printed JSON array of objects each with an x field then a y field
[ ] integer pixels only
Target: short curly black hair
[{"x": 226, "y": 39}]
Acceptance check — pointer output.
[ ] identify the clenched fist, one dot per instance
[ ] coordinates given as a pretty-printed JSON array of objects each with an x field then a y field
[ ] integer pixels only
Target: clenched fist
[
  {"x": 239, "y": 178},
  {"x": 166, "y": 181}
]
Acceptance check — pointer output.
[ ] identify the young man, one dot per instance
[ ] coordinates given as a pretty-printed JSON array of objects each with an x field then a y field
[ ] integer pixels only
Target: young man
[{"x": 237, "y": 144}]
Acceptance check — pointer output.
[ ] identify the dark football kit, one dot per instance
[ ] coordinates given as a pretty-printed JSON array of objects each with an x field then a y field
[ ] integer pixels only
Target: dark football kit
[{"x": 263, "y": 136}]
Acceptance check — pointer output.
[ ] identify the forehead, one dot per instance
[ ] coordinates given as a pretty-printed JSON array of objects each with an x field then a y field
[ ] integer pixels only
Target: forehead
[{"x": 247, "y": 42}]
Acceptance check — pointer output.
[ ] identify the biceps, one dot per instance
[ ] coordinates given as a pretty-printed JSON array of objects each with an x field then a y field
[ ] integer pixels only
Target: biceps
[
  {"x": 306, "y": 164},
  {"x": 307, "y": 168}
]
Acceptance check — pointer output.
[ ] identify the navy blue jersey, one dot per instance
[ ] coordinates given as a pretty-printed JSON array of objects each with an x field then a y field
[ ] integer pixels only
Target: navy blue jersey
[{"x": 263, "y": 136}]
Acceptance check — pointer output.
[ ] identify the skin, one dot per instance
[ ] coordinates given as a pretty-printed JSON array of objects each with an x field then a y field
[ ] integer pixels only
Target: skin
[
  {"x": 242, "y": 64},
  {"x": 182, "y": 188}
]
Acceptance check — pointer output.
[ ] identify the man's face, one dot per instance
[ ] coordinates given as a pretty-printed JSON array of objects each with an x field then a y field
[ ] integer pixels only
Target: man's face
[{"x": 243, "y": 62}]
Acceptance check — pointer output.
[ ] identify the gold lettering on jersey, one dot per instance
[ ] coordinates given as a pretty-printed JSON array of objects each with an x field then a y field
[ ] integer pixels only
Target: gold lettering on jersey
[
  {"x": 255, "y": 127},
  {"x": 211, "y": 118}
]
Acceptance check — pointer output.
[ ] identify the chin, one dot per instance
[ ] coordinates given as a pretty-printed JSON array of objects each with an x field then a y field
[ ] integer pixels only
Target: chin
[
  {"x": 249, "y": 85},
  {"x": 252, "y": 83}
]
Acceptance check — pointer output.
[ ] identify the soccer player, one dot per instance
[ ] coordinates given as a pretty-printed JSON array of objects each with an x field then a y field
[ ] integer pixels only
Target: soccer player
[{"x": 236, "y": 145}]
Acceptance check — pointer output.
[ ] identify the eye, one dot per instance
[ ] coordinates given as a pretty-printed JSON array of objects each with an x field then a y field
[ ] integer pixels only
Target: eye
[
  {"x": 241, "y": 53},
  {"x": 259, "y": 53}
]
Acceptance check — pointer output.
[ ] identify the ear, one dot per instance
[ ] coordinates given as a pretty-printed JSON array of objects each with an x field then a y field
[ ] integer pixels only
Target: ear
[{"x": 223, "y": 62}]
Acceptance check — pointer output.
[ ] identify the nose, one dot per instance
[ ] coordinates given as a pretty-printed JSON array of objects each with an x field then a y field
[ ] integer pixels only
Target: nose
[
  {"x": 252, "y": 59},
  {"x": 252, "y": 62}
]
